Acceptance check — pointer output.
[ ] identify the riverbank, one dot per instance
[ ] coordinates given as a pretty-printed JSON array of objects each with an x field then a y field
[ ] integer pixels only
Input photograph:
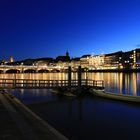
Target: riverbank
[
  {"x": 115, "y": 70},
  {"x": 20, "y": 123},
  {"x": 115, "y": 96}
]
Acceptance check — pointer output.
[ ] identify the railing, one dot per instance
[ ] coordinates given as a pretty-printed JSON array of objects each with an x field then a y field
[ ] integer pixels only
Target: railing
[
  {"x": 28, "y": 83},
  {"x": 28, "y": 66}
]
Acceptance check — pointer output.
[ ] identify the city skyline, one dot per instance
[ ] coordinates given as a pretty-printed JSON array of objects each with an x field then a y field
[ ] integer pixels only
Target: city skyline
[
  {"x": 32, "y": 29},
  {"x": 12, "y": 59}
]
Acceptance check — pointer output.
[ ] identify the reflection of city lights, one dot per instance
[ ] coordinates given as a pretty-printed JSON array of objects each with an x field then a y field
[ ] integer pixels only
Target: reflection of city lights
[{"x": 134, "y": 75}]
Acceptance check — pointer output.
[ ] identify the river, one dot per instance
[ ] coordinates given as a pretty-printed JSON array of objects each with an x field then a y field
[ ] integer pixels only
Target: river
[
  {"x": 87, "y": 117},
  {"x": 120, "y": 83}
]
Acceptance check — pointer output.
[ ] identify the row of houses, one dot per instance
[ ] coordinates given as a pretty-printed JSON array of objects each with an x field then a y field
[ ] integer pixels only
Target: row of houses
[{"x": 116, "y": 60}]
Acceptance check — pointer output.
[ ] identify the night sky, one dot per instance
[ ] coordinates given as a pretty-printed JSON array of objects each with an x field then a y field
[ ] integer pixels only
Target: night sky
[{"x": 48, "y": 28}]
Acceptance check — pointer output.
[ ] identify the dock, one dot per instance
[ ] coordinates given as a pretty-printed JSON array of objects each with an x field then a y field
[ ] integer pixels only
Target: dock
[{"x": 39, "y": 83}]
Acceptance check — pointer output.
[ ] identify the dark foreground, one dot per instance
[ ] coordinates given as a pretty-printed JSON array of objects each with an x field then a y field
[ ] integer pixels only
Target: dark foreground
[
  {"x": 91, "y": 119},
  {"x": 19, "y": 123}
]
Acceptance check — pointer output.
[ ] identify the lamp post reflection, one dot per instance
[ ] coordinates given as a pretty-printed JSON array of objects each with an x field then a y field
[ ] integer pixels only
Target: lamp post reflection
[{"x": 86, "y": 76}]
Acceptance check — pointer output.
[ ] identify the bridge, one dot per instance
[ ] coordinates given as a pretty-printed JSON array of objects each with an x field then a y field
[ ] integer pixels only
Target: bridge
[{"x": 31, "y": 68}]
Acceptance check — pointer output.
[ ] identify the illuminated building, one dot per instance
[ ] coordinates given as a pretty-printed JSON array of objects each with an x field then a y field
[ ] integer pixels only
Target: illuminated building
[
  {"x": 116, "y": 60},
  {"x": 136, "y": 55},
  {"x": 63, "y": 61},
  {"x": 96, "y": 62},
  {"x": 84, "y": 61},
  {"x": 63, "y": 58},
  {"x": 75, "y": 62},
  {"x": 131, "y": 59},
  {"x": 41, "y": 63},
  {"x": 113, "y": 60},
  {"x": 128, "y": 60},
  {"x": 11, "y": 59}
]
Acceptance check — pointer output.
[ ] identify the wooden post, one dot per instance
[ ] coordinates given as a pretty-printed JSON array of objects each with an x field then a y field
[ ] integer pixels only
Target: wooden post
[
  {"x": 69, "y": 76},
  {"x": 79, "y": 76},
  {"x": 14, "y": 83}
]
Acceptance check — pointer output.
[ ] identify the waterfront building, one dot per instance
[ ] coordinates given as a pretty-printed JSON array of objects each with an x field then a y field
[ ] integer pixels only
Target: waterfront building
[
  {"x": 123, "y": 60},
  {"x": 3, "y": 62},
  {"x": 63, "y": 61},
  {"x": 11, "y": 59},
  {"x": 128, "y": 60},
  {"x": 96, "y": 62},
  {"x": 131, "y": 59},
  {"x": 116, "y": 60},
  {"x": 63, "y": 58},
  {"x": 29, "y": 62},
  {"x": 75, "y": 62},
  {"x": 84, "y": 61},
  {"x": 62, "y": 64},
  {"x": 136, "y": 55},
  {"x": 67, "y": 53},
  {"x": 113, "y": 60},
  {"x": 43, "y": 61}
]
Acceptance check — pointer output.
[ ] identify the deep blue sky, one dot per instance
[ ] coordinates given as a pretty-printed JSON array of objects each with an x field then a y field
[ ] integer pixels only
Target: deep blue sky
[{"x": 48, "y": 28}]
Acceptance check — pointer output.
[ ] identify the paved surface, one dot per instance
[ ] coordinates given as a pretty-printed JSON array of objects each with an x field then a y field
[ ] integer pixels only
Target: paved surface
[
  {"x": 17, "y": 122},
  {"x": 8, "y": 129}
]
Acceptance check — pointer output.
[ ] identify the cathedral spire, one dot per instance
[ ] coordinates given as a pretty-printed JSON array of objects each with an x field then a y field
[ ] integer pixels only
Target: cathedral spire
[
  {"x": 67, "y": 53},
  {"x": 11, "y": 59}
]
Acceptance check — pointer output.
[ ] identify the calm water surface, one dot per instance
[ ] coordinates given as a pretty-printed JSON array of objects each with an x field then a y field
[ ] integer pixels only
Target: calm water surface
[
  {"x": 88, "y": 117},
  {"x": 120, "y": 83}
]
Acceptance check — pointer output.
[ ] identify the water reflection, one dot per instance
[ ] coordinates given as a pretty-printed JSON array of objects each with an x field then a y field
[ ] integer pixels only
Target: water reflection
[
  {"x": 29, "y": 96},
  {"x": 121, "y": 83},
  {"x": 85, "y": 118}
]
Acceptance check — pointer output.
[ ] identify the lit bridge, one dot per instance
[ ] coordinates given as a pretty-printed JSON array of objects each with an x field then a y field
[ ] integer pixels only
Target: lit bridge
[{"x": 31, "y": 69}]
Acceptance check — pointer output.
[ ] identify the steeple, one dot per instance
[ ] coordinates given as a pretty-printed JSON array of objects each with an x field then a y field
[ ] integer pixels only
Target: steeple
[
  {"x": 11, "y": 59},
  {"x": 67, "y": 53}
]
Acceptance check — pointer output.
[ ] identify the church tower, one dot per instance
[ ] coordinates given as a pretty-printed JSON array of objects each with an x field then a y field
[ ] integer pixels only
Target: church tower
[
  {"x": 11, "y": 59},
  {"x": 67, "y": 53}
]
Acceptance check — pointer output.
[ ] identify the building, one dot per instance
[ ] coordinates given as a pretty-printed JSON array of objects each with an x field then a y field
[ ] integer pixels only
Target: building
[
  {"x": 75, "y": 62},
  {"x": 127, "y": 60},
  {"x": 113, "y": 60},
  {"x": 63, "y": 58},
  {"x": 43, "y": 61},
  {"x": 96, "y": 62},
  {"x": 136, "y": 55},
  {"x": 63, "y": 61},
  {"x": 11, "y": 59},
  {"x": 84, "y": 61},
  {"x": 123, "y": 60}
]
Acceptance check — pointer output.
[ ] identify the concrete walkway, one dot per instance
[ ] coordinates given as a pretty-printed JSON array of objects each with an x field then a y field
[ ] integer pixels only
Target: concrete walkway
[
  {"x": 17, "y": 122},
  {"x": 8, "y": 129}
]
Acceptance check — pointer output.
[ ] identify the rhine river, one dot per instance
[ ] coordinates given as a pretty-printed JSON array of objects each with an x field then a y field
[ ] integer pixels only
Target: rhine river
[{"x": 86, "y": 117}]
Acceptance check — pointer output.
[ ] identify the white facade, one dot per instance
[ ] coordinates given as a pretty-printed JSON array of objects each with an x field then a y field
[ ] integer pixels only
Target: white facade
[{"x": 96, "y": 62}]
